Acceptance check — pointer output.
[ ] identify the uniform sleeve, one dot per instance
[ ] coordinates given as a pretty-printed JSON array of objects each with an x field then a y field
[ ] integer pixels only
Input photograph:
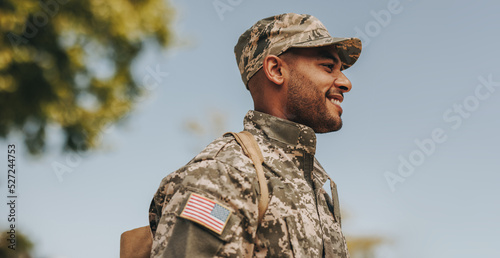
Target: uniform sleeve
[{"x": 176, "y": 235}]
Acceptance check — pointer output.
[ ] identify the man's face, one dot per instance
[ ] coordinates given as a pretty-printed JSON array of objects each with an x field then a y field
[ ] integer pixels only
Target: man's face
[{"x": 315, "y": 88}]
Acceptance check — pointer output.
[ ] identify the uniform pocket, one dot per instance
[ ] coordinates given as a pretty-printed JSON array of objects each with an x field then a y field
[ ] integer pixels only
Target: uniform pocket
[
  {"x": 273, "y": 235},
  {"x": 297, "y": 235},
  {"x": 190, "y": 240}
]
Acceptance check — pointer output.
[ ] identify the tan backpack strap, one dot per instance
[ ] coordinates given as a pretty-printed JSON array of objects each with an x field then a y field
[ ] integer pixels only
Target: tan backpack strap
[
  {"x": 136, "y": 243},
  {"x": 252, "y": 150}
]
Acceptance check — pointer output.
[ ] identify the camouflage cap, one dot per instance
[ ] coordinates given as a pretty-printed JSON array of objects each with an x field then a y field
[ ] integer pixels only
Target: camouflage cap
[{"x": 276, "y": 34}]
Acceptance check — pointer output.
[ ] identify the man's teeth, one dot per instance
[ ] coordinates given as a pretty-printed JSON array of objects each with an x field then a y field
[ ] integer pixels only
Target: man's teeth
[{"x": 334, "y": 101}]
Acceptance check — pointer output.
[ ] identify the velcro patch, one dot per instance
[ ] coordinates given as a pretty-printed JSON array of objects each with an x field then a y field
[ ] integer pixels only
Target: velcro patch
[{"x": 206, "y": 212}]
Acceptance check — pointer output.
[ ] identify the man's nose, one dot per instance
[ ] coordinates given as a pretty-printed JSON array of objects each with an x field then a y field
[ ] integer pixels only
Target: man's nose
[{"x": 342, "y": 82}]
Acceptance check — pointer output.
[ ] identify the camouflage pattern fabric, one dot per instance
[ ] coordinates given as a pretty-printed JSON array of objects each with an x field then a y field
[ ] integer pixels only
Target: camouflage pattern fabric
[
  {"x": 301, "y": 220},
  {"x": 276, "y": 34}
]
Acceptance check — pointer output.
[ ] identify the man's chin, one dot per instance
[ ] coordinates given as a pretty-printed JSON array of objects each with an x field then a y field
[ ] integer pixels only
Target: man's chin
[
  {"x": 328, "y": 127},
  {"x": 328, "y": 131}
]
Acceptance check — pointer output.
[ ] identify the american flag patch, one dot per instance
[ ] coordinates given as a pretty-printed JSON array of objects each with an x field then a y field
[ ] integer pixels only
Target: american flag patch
[{"x": 206, "y": 212}]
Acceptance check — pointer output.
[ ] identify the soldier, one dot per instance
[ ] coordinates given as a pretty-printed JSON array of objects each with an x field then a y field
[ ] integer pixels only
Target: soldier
[{"x": 209, "y": 208}]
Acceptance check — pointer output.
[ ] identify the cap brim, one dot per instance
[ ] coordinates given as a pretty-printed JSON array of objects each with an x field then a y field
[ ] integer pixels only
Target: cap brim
[{"x": 349, "y": 49}]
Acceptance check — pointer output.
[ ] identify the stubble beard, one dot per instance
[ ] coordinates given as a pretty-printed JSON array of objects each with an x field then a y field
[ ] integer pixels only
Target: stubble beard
[{"x": 307, "y": 105}]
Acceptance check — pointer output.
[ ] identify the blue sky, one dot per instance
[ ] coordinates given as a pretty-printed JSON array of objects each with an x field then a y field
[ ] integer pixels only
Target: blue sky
[{"x": 428, "y": 73}]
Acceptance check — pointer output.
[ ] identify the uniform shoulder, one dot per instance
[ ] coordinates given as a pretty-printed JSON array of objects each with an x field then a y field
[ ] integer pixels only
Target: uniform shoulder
[
  {"x": 224, "y": 149},
  {"x": 220, "y": 163},
  {"x": 212, "y": 149}
]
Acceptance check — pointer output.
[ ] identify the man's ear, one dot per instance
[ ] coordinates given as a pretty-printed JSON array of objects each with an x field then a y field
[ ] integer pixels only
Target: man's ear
[{"x": 273, "y": 69}]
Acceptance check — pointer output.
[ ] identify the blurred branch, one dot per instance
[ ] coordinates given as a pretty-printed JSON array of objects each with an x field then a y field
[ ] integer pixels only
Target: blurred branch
[
  {"x": 205, "y": 130},
  {"x": 364, "y": 246}
]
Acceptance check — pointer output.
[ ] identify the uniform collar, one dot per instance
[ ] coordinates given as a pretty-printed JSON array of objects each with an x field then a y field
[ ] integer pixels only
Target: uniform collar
[
  {"x": 287, "y": 134},
  {"x": 292, "y": 138}
]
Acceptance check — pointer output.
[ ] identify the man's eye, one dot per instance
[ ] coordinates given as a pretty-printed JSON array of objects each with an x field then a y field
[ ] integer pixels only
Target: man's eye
[{"x": 329, "y": 66}]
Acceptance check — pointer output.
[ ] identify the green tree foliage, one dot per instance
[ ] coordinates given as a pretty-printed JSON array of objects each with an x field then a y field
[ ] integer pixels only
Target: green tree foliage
[
  {"x": 23, "y": 246},
  {"x": 67, "y": 63}
]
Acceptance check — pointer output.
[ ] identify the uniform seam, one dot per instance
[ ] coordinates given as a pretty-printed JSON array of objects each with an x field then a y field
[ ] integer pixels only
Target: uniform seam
[{"x": 223, "y": 147}]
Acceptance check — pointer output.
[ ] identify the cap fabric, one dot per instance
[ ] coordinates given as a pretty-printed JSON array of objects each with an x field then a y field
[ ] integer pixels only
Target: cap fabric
[{"x": 276, "y": 34}]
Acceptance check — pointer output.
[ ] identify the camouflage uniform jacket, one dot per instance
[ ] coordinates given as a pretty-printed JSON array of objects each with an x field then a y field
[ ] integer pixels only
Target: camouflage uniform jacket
[{"x": 301, "y": 219}]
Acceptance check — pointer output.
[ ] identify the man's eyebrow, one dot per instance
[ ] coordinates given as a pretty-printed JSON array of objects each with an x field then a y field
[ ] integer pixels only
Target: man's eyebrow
[{"x": 327, "y": 55}]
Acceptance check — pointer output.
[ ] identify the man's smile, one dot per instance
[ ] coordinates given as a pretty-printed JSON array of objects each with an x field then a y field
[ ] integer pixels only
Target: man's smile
[{"x": 336, "y": 99}]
